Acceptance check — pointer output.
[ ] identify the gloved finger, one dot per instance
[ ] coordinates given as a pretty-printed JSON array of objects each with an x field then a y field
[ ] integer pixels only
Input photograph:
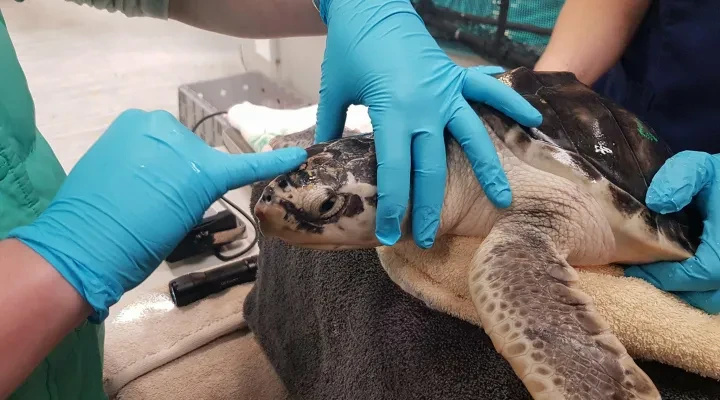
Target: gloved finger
[
  {"x": 392, "y": 147},
  {"x": 238, "y": 170},
  {"x": 469, "y": 131},
  {"x": 677, "y": 182},
  {"x": 331, "y": 113},
  {"x": 480, "y": 87},
  {"x": 708, "y": 301},
  {"x": 489, "y": 69},
  {"x": 692, "y": 275},
  {"x": 429, "y": 171}
]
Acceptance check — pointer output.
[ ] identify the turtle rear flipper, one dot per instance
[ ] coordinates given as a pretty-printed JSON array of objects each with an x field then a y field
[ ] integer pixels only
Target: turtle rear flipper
[{"x": 549, "y": 331}]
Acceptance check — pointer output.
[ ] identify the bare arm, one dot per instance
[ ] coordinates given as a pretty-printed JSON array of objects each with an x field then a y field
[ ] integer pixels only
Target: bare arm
[
  {"x": 250, "y": 18},
  {"x": 590, "y": 36},
  {"x": 38, "y": 308}
]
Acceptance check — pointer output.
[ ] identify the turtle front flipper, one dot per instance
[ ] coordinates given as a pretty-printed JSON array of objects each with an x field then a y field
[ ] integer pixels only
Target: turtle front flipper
[{"x": 527, "y": 298}]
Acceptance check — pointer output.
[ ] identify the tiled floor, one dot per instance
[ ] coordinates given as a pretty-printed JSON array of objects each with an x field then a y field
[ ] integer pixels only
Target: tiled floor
[{"x": 85, "y": 66}]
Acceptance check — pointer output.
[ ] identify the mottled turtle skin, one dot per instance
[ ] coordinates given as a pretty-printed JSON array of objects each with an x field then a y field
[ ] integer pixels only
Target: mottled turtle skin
[{"x": 579, "y": 183}]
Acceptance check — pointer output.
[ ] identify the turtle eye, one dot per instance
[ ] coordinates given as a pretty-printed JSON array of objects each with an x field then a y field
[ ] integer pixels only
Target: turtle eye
[
  {"x": 330, "y": 206},
  {"x": 327, "y": 205}
]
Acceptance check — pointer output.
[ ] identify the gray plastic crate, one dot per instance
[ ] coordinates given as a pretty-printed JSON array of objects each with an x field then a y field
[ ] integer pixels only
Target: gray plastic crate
[{"x": 199, "y": 99}]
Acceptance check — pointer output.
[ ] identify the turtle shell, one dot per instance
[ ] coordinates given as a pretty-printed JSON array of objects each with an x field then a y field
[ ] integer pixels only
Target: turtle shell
[{"x": 609, "y": 139}]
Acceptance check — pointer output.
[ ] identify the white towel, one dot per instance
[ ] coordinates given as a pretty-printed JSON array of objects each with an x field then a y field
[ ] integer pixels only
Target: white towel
[{"x": 154, "y": 350}]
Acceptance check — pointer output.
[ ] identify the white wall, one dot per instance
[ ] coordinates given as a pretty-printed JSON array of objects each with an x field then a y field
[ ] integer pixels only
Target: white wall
[{"x": 300, "y": 62}]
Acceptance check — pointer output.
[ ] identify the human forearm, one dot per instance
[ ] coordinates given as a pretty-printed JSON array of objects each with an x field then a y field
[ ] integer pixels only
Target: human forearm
[
  {"x": 120, "y": 212},
  {"x": 591, "y": 35},
  {"x": 37, "y": 309},
  {"x": 250, "y": 18},
  {"x": 241, "y": 18}
]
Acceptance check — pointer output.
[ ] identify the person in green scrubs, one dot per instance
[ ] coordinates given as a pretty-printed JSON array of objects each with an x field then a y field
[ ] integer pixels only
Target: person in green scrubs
[{"x": 70, "y": 246}]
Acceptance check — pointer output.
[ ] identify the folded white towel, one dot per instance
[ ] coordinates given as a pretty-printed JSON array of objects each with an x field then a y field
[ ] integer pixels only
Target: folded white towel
[
  {"x": 154, "y": 350},
  {"x": 259, "y": 124}
]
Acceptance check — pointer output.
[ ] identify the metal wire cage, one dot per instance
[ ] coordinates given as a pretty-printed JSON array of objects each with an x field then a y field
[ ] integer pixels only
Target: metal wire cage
[{"x": 511, "y": 33}]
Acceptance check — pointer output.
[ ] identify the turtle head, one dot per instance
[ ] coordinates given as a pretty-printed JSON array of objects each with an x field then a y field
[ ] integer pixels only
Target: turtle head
[{"x": 329, "y": 202}]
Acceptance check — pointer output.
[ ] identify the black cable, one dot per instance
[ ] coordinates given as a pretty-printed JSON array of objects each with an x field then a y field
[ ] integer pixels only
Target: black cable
[
  {"x": 247, "y": 248},
  {"x": 205, "y": 118},
  {"x": 218, "y": 254}
]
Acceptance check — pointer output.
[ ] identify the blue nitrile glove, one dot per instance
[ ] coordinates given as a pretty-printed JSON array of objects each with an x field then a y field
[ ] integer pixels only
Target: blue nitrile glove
[
  {"x": 685, "y": 176},
  {"x": 380, "y": 54},
  {"x": 131, "y": 199}
]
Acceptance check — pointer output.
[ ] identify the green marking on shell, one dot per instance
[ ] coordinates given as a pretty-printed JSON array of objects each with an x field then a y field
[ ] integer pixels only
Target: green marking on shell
[{"x": 644, "y": 132}]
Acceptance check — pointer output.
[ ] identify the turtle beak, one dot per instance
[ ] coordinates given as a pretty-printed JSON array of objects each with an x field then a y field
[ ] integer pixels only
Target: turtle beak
[{"x": 269, "y": 217}]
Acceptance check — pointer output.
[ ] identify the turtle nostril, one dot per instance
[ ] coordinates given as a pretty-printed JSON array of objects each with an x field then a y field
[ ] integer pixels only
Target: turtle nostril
[{"x": 267, "y": 195}]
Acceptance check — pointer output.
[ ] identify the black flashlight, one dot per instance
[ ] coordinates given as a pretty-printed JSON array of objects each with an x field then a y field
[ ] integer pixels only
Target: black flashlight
[{"x": 195, "y": 286}]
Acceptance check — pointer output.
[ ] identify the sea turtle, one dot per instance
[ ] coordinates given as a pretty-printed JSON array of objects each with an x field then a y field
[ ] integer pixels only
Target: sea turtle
[{"x": 578, "y": 182}]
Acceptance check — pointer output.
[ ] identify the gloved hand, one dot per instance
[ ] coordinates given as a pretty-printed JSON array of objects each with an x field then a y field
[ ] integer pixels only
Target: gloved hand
[
  {"x": 130, "y": 200},
  {"x": 696, "y": 280},
  {"x": 379, "y": 54}
]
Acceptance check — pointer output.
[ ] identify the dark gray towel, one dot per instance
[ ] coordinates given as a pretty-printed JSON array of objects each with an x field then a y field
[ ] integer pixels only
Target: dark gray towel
[{"x": 334, "y": 326}]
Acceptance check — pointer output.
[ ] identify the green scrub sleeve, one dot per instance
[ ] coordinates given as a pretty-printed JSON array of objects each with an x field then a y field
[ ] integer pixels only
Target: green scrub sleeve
[{"x": 131, "y": 8}]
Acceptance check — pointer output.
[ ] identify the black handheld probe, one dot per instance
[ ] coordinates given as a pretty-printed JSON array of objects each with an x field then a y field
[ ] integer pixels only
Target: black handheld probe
[{"x": 194, "y": 286}]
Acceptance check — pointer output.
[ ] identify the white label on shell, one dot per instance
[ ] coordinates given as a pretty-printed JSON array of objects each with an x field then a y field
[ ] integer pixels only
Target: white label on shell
[{"x": 600, "y": 148}]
